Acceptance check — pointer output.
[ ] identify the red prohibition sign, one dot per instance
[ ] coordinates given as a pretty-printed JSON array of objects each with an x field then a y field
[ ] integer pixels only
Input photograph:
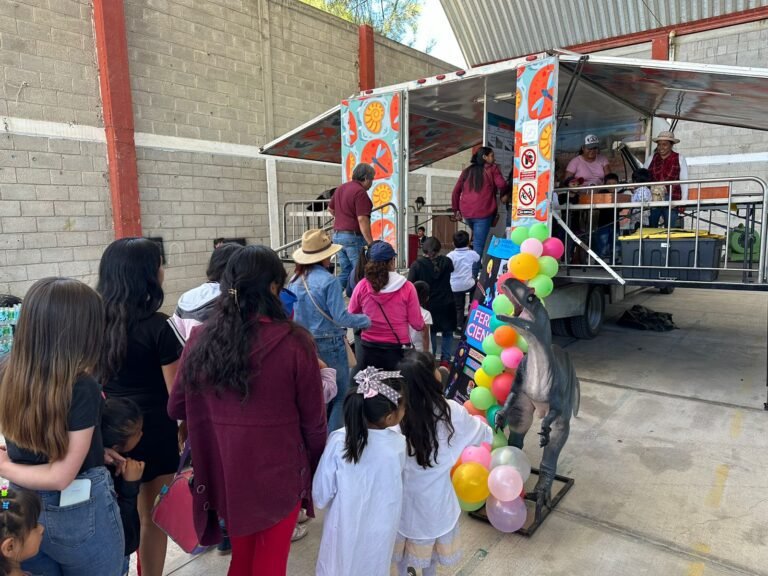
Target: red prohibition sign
[
  {"x": 528, "y": 159},
  {"x": 527, "y": 194}
]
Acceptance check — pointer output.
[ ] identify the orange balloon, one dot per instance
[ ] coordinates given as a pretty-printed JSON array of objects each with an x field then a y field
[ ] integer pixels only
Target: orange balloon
[
  {"x": 472, "y": 410},
  {"x": 505, "y": 336},
  {"x": 458, "y": 463},
  {"x": 524, "y": 266}
]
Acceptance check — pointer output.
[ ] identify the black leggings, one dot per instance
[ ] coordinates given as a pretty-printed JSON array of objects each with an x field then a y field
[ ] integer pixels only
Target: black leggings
[{"x": 379, "y": 355}]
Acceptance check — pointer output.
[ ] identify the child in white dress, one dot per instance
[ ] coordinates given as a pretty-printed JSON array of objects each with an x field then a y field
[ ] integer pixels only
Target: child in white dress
[
  {"x": 436, "y": 432},
  {"x": 360, "y": 479}
]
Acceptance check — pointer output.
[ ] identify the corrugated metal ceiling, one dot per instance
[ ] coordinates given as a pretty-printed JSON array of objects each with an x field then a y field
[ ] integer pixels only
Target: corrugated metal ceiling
[{"x": 492, "y": 30}]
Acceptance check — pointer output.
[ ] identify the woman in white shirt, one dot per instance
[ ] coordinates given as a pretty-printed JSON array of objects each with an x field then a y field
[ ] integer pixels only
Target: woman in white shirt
[{"x": 436, "y": 432}]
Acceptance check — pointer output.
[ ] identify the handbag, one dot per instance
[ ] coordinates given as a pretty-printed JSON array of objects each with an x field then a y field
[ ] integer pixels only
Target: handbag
[
  {"x": 173, "y": 511},
  {"x": 351, "y": 358}
]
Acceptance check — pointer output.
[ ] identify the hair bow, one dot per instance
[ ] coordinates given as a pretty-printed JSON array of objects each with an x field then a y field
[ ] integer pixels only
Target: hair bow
[{"x": 370, "y": 382}]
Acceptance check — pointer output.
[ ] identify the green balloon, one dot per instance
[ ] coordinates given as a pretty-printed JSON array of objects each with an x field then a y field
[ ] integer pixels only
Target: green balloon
[
  {"x": 502, "y": 305},
  {"x": 548, "y": 266},
  {"x": 495, "y": 323},
  {"x": 522, "y": 344},
  {"x": 539, "y": 231},
  {"x": 490, "y": 346},
  {"x": 490, "y": 415},
  {"x": 542, "y": 285},
  {"x": 493, "y": 366},
  {"x": 470, "y": 506},
  {"x": 499, "y": 440},
  {"x": 519, "y": 235},
  {"x": 481, "y": 398}
]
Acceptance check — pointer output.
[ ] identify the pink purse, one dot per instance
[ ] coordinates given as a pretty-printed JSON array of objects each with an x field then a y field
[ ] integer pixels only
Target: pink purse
[{"x": 172, "y": 511}]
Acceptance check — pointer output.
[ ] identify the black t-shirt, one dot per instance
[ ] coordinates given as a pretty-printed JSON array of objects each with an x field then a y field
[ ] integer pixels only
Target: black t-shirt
[
  {"x": 152, "y": 344},
  {"x": 436, "y": 273},
  {"x": 84, "y": 412}
]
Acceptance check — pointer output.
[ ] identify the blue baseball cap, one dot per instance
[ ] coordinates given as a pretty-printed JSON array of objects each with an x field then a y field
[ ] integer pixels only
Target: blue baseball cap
[{"x": 381, "y": 251}]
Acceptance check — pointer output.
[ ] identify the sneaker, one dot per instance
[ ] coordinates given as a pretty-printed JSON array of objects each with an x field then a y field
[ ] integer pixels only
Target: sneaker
[
  {"x": 225, "y": 546},
  {"x": 303, "y": 516},
  {"x": 445, "y": 364},
  {"x": 299, "y": 532}
]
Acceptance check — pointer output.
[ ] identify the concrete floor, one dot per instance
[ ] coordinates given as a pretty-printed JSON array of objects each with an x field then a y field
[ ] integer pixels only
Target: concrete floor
[{"x": 669, "y": 455}]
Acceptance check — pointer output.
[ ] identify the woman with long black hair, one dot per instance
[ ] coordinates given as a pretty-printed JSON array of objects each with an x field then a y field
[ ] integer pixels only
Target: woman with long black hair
[
  {"x": 249, "y": 389},
  {"x": 474, "y": 197},
  {"x": 141, "y": 352}
]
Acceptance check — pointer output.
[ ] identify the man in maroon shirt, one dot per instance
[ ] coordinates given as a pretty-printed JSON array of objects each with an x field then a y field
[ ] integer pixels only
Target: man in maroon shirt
[{"x": 351, "y": 206}]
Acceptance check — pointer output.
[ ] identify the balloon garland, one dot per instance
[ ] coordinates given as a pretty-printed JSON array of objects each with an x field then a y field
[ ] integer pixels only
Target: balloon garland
[{"x": 493, "y": 475}]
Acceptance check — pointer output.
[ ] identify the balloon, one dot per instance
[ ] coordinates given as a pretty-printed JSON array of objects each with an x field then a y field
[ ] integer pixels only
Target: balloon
[
  {"x": 490, "y": 346},
  {"x": 524, "y": 266},
  {"x": 490, "y": 417},
  {"x": 548, "y": 266},
  {"x": 486, "y": 446},
  {"x": 499, "y": 439},
  {"x": 496, "y": 324},
  {"x": 482, "y": 378},
  {"x": 522, "y": 344},
  {"x": 505, "y": 336},
  {"x": 500, "y": 280},
  {"x": 476, "y": 454},
  {"x": 502, "y": 306},
  {"x": 482, "y": 399},
  {"x": 506, "y": 516},
  {"x": 542, "y": 285},
  {"x": 471, "y": 408},
  {"x": 553, "y": 247},
  {"x": 532, "y": 246},
  {"x": 519, "y": 235},
  {"x": 453, "y": 469},
  {"x": 512, "y": 456},
  {"x": 502, "y": 386},
  {"x": 470, "y": 481},
  {"x": 493, "y": 366},
  {"x": 505, "y": 483},
  {"x": 470, "y": 506},
  {"x": 511, "y": 357},
  {"x": 539, "y": 231}
]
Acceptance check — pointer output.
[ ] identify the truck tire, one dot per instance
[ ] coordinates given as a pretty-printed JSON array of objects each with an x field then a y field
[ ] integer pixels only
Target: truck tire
[
  {"x": 588, "y": 325},
  {"x": 666, "y": 289},
  {"x": 560, "y": 327}
]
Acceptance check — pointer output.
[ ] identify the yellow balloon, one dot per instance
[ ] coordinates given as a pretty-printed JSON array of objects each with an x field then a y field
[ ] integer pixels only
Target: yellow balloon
[
  {"x": 524, "y": 266},
  {"x": 470, "y": 481},
  {"x": 482, "y": 378}
]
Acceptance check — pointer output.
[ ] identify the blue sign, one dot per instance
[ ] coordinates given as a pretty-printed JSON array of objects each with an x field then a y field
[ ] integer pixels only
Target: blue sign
[
  {"x": 502, "y": 248},
  {"x": 478, "y": 326}
]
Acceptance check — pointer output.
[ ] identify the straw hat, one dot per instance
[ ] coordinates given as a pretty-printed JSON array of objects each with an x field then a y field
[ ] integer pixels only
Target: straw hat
[
  {"x": 668, "y": 136},
  {"x": 316, "y": 246}
]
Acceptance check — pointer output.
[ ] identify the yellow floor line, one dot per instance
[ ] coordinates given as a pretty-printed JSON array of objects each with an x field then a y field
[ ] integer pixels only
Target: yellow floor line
[
  {"x": 715, "y": 495},
  {"x": 736, "y": 422},
  {"x": 697, "y": 568}
]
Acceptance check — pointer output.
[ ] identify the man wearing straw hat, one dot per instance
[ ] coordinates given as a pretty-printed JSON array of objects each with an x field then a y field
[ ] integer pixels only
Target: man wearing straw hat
[
  {"x": 351, "y": 207},
  {"x": 320, "y": 309},
  {"x": 665, "y": 164}
]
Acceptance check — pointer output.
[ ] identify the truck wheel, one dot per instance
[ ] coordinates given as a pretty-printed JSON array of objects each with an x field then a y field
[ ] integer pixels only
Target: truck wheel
[
  {"x": 560, "y": 327},
  {"x": 666, "y": 289},
  {"x": 587, "y": 326}
]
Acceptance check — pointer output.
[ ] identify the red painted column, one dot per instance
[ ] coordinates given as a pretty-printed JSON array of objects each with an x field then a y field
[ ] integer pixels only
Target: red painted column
[
  {"x": 367, "y": 66},
  {"x": 660, "y": 47},
  {"x": 115, "y": 80}
]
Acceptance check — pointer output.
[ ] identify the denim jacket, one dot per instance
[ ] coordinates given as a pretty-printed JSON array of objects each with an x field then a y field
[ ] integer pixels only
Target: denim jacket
[{"x": 326, "y": 292}]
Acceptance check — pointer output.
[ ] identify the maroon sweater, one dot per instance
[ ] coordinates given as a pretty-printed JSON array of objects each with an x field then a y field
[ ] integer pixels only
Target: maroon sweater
[
  {"x": 478, "y": 203},
  {"x": 254, "y": 460}
]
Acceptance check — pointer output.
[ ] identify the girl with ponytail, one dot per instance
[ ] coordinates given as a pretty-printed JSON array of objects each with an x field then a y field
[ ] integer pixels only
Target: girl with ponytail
[
  {"x": 360, "y": 478},
  {"x": 474, "y": 197}
]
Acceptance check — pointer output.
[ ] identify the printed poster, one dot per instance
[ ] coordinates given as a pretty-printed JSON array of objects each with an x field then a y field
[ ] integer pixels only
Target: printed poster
[
  {"x": 501, "y": 137},
  {"x": 535, "y": 122},
  {"x": 370, "y": 128}
]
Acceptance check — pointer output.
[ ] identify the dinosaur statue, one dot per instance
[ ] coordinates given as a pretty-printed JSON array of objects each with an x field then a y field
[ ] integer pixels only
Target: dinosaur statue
[{"x": 545, "y": 383}]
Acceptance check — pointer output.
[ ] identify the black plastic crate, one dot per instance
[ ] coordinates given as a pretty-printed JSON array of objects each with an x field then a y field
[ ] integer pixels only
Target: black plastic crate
[{"x": 681, "y": 258}]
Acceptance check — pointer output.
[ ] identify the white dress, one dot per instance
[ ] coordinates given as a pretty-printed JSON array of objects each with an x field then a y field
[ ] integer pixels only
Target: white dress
[
  {"x": 430, "y": 506},
  {"x": 364, "y": 502}
]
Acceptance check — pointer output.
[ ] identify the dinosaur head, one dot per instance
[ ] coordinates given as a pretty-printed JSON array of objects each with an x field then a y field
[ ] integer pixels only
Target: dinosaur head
[{"x": 530, "y": 318}]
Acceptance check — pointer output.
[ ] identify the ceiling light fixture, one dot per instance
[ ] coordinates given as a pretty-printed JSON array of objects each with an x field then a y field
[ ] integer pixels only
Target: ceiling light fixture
[{"x": 693, "y": 91}]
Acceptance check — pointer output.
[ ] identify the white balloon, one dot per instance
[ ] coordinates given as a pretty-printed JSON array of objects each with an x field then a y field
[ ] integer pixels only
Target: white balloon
[{"x": 511, "y": 456}]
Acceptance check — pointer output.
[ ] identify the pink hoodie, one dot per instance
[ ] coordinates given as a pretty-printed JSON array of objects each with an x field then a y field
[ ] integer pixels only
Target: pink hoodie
[{"x": 401, "y": 303}]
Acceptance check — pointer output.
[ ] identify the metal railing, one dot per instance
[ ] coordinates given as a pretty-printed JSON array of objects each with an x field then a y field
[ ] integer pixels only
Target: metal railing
[{"x": 651, "y": 258}]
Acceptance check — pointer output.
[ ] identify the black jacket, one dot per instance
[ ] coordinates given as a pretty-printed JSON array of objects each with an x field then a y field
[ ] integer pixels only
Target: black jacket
[{"x": 127, "y": 493}]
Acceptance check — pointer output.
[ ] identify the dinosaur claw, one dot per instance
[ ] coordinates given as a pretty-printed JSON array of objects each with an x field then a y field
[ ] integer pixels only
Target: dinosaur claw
[
  {"x": 545, "y": 430},
  {"x": 500, "y": 421}
]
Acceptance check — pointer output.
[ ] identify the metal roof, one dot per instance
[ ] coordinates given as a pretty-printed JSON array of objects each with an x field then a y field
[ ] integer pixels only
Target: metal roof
[{"x": 492, "y": 30}]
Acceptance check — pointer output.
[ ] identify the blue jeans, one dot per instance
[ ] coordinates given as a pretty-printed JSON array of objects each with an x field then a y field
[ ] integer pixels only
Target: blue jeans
[
  {"x": 659, "y": 214},
  {"x": 84, "y": 539},
  {"x": 446, "y": 345},
  {"x": 349, "y": 254},
  {"x": 481, "y": 227},
  {"x": 333, "y": 352}
]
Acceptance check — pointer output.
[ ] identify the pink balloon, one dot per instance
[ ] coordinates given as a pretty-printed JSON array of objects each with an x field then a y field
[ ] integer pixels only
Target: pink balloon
[
  {"x": 553, "y": 247},
  {"x": 511, "y": 357},
  {"x": 502, "y": 386},
  {"x": 476, "y": 454},
  {"x": 486, "y": 446},
  {"x": 532, "y": 246},
  {"x": 505, "y": 483},
  {"x": 506, "y": 516}
]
